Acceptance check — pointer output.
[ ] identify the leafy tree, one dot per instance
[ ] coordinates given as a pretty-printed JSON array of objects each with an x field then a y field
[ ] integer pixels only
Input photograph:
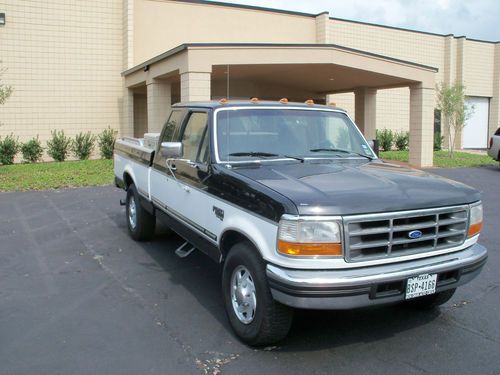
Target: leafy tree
[{"x": 455, "y": 111}]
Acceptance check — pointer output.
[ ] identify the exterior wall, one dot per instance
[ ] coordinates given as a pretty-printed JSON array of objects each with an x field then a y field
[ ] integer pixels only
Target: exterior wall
[
  {"x": 64, "y": 61},
  {"x": 478, "y": 68},
  {"x": 160, "y": 25}
]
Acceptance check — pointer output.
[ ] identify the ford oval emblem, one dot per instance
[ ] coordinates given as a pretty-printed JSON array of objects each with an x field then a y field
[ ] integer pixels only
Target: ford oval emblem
[{"x": 414, "y": 234}]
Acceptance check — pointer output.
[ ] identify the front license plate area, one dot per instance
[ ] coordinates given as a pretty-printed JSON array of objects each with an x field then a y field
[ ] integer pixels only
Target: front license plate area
[{"x": 421, "y": 285}]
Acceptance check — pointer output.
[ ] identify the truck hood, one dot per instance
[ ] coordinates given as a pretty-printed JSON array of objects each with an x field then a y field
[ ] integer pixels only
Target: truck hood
[{"x": 353, "y": 187}]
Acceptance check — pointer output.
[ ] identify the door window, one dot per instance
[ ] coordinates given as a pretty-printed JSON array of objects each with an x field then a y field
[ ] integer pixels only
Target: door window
[
  {"x": 193, "y": 136},
  {"x": 171, "y": 126}
]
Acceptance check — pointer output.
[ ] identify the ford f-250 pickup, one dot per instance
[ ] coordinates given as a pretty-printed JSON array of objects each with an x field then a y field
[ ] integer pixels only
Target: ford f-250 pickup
[{"x": 293, "y": 202}]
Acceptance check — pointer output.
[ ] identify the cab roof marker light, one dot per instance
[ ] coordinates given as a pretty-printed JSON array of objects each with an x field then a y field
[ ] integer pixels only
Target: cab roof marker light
[
  {"x": 309, "y": 102},
  {"x": 223, "y": 101},
  {"x": 284, "y": 101},
  {"x": 254, "y": 100}
]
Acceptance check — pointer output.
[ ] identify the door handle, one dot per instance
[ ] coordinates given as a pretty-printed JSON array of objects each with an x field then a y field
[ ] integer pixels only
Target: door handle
[{"x": 191, "y": 163}]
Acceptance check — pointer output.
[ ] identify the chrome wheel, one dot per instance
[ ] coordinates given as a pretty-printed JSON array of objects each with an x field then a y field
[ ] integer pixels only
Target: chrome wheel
[
  {"x": 132, "y": 213},
  {"x": 243, "y": 296}
]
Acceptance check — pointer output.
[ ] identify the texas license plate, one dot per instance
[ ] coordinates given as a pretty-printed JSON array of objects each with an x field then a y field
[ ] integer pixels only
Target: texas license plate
[{"x": 421, "y": 285}]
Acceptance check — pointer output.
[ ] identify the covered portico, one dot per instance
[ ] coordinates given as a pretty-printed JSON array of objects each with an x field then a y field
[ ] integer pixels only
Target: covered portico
[{"x": 201, "y": 72}]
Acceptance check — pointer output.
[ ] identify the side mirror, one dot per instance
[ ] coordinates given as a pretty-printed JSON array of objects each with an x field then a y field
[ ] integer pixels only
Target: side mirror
[
  {"x": 373, "y": 143},
  {"x": 171, "y": 150}
]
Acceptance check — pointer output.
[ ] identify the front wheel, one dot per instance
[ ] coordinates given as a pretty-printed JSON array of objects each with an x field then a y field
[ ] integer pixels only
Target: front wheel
[
  {"x": 141, "y": 224},
  {"x": 255, "y": 316},
  {"x": 432, "y": 301}
]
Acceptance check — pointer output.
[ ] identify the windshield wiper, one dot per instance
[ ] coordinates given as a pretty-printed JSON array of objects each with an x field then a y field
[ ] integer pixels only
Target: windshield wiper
[
  {"x": 265, "y": 155},
  {"x": 340, "y": 150}
]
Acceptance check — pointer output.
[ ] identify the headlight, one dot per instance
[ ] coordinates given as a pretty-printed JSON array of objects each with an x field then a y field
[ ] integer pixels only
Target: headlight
[
  {"x": 309, "y": 237},
  {"x": 475, "y": 219}
]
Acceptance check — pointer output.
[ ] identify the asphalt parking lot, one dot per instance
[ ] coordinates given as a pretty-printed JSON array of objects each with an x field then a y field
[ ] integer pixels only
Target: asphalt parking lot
[{"x": 78, "y": 296}]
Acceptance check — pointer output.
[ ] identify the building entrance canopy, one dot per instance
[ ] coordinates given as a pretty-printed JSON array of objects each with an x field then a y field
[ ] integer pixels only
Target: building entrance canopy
[{"x": 200, "y": 72}]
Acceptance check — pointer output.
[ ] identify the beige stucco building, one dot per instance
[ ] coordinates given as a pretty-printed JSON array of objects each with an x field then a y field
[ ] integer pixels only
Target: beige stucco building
[{"x": 86, "y": 65}]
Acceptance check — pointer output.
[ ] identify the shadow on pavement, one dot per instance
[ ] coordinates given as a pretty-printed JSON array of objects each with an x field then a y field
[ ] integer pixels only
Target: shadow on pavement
[{"x": 311, "y": 330}]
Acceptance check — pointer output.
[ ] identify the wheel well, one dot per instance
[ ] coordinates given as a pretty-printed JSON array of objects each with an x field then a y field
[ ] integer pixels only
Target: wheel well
[
  {"x": 230, "y": 238},
  {"x": 127, "y": 179}
]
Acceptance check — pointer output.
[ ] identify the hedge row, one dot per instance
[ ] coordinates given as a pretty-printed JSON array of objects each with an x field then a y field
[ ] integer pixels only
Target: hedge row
[
  {"x": 58, "y": 147},
  {"x": 388, "y": 139}
]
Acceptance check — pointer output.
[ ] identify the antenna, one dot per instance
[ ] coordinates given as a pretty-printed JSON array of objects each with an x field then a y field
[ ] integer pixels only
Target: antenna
[{"x": 227, "y": 82}]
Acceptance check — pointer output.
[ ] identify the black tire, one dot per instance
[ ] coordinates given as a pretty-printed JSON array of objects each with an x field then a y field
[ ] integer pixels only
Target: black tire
[
  {"x": 271, "y": 320},
  {"x": 145, "y": 223},
  {"x": 432, "y": 301}
]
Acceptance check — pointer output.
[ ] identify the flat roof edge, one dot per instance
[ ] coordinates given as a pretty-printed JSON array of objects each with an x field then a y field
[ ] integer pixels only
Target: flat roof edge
[
  {"x": 411, "y": 30},
  {"x": 185, "y": 46},
  {"x": 312, "y": 15},
  {"x": 249, "y": 7}
]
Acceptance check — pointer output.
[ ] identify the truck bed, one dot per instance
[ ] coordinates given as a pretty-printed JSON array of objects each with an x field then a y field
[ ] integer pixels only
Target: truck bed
[{"x": 134, "y": 156}]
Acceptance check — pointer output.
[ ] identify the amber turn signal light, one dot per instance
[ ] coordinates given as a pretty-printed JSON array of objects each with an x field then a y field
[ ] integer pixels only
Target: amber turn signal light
[
  {"x": 474, "y": 229},
  {"x": 309, "y": 249}
]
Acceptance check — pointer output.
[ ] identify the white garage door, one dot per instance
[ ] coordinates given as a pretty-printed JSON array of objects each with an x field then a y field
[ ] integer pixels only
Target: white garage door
[{"x": 475, "y": 134}]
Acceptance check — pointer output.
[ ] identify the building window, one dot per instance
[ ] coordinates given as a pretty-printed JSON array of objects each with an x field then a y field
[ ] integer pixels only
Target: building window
[{"x": 2, "y": 19}]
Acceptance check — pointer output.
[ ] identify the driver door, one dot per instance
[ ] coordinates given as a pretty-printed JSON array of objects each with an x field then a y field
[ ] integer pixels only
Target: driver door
[{"x": 182, "y": 193}]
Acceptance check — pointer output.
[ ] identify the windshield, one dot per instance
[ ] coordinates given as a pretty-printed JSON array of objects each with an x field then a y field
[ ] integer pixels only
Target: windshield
[{"x": 250, "y": 134}]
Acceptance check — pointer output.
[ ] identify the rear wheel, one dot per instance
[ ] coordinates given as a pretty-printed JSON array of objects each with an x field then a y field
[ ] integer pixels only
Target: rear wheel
[
  {"x": 255, "y": 316},
  {"x": 432, "y": 301},
  {"x": 141, "y": 224}
]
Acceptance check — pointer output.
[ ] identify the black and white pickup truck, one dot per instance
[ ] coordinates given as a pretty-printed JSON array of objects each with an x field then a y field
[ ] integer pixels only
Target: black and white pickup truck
[{"x": 293, "y": 202}]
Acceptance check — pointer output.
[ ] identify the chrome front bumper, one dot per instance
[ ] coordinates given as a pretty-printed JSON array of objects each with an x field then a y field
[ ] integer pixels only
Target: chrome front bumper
[{"x": 367, "y": 286}]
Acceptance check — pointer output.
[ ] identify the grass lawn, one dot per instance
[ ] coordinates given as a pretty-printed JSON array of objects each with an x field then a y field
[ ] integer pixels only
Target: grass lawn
[
  {"x": 441, "y": 159},
  {"x": 42, "y": 176}
]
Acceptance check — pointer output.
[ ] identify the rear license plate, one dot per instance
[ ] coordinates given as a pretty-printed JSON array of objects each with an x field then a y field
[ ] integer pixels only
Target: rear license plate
[{"x": 421, "y": 285}]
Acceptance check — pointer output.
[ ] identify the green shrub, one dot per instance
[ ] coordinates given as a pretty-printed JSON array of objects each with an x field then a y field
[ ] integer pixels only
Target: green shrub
[
  {"x": 58, "y": 146},
  {"x": 401, "y": 140},
  {"x": 82, "y": 145},
  {"x": 32, "y": 150},
  {"x": 385, "y": 138},
  {"x": 438, "y": 141},
  {"x": 9, "y": 147},
  {"x": 107, "y": 143}
]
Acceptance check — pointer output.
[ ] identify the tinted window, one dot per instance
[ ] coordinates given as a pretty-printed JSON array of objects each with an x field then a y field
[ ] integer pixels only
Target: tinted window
[
  {"x": 302, "y": 133},
  {"x": 193, "y": 134}
]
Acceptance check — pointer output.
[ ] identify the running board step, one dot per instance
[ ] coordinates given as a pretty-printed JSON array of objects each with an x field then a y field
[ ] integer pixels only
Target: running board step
[{"x": 181, "y": 252}]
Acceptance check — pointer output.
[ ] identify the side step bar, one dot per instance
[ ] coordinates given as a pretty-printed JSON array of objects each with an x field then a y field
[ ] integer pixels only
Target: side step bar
[{"x": 181, "y": 252}]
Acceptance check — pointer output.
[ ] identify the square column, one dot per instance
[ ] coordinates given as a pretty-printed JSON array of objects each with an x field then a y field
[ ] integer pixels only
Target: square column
[
  {"x": 421, "y": 126},
  {"x": 323, "y": 29},
  {"x": 159, "y": 104},
  {"x": 365, "y": 107},
  {"x": 195, "y": 86},
  {"x": 127, "y": 121}
]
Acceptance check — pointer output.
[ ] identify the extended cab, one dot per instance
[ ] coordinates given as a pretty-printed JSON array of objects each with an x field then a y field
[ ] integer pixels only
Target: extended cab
[{"x": 294, "y": 203}]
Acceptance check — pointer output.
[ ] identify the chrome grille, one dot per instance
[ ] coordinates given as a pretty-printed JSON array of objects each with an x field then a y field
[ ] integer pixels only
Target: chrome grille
[{"x": 386, "y": 235}]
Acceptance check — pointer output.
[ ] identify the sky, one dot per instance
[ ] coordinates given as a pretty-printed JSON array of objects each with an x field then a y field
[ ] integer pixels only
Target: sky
[{"x": 476, "y": 19}]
